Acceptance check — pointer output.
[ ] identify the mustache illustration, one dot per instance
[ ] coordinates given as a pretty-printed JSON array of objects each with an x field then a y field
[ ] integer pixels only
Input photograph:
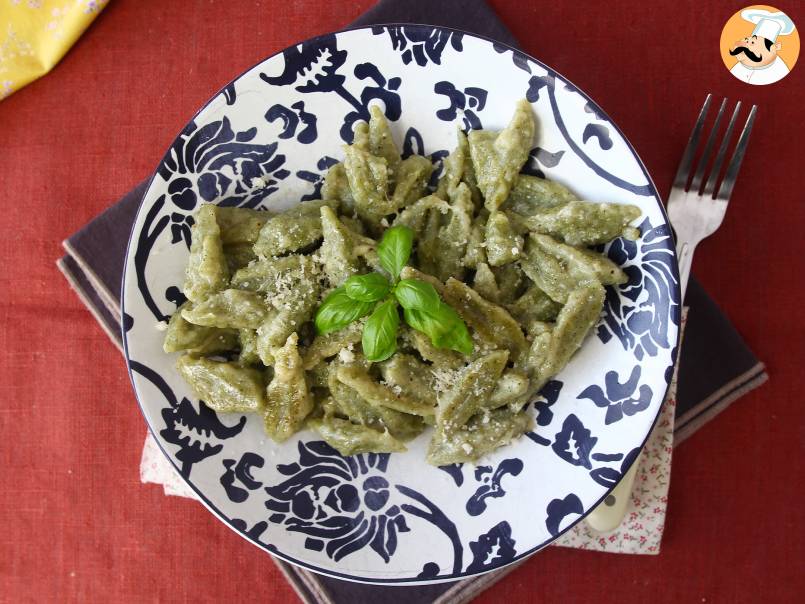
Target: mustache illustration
[{"x": 743, "y": 49}]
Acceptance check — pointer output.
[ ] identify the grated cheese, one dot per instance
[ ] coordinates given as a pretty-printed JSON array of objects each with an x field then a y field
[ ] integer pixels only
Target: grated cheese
[{"x": 346, "y": 356}]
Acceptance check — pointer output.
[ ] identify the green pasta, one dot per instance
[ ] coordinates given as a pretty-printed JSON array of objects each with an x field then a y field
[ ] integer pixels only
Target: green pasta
[
  {"x": 207, "y": 270},
  {"x": 233, "y": 308},
  {"x": 294, "y": 315},
  {"x": 350, "y": 439},
  {"x": 198, "y": 339},
  {"x": 225, "y": 387},
  {"x": 288, "y": 399}
]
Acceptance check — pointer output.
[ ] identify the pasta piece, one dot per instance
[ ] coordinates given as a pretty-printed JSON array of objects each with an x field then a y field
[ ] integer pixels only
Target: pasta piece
[
  {"x": 224, "y": 387},
  {"x": 414, "y": 216},
  {"x": 458, "y": 168},
  {"x": 441, "y": 358},
  {"x": 381, "y": 143},
  {"x": 368, "y": 181},
  {"x": 453, "y": 168},
  {"x": 532, "y": 361},
  {"x": 476, "y": 254},
  {"x": 288, "y": 400},
  {"x": 503, "y": 246},
  {"x": 575, "y": 320},
  {"x": 380, "y": 395},
  {"x": 483, "y": 434},
  {"x": 263, "y": 274},
  {"x": 336, "y": 187},
  {"x": 516, "y": 223},
  {"x": 491, "y": 322},
  {"x": 248, "y": 348},
  {"x": 239, "y": 225},
  {"x": 511, "y": 281},
  {"x": 498, "y": 158},
  {"x": 207, "y": 271},
  {"x": 404, "y": 374},
  {"x": 238, "y": 255},
  {"x": 412, "y": 177},
  {"x": 319, "y": 375},
  {"x": 234, "y": 308},
  {"x": 583, "y": 223},
  {"x": 453, "y": 237},
  {"x": 296, "y": 307},
  {"x": 400, "y": 425},
  {"x": 427, "y": 248},
  {"x": 485, "y": 284},
  {"x": 337, "y": 249},
  {"x": 510, "y": 389},
  {"x": 183, "y": 335},
  {"x": 332, "y": 343},
  {"x": 531, "y": 195},
  {"x": 360, "y": 137},
  {"x": 558, "y": 269},
  {"x": 350, "y": 439},
  {"x": 291, "y": 230},
  {"x": 468, "y": 396},
  {"x": 534, "y": 304},
  {"x": 354, "y": 225},
  {"x": 469, "y": 177}
]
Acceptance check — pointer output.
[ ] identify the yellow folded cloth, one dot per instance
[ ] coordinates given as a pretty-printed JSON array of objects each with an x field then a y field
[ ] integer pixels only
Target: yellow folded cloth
[{"x": 35, "y": 35}]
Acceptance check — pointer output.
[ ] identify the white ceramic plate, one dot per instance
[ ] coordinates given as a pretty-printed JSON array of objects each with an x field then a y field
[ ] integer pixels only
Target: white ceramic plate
[{"x": 264, "y": 141}]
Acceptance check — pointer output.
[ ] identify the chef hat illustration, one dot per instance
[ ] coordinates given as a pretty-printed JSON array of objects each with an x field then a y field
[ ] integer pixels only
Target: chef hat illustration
[{"x": 768, "y": 25}]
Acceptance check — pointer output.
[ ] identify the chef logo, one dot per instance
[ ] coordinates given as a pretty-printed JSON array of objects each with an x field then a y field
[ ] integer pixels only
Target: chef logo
[{"x": 760, "y": 45}]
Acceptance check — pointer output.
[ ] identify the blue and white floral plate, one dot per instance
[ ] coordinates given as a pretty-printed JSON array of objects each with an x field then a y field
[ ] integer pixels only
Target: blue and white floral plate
[{"x": 264, "y": 141}]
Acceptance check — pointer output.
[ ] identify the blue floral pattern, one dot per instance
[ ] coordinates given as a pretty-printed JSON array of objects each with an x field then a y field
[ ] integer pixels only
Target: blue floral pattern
[
  {"x": 640, "y": 312},
  {"x": 345, "y": 503},
  {"x": 315, "y": 68},
  {"x": 559, "y": 509},
  {"x": 619, "y": 399},
  {"x": 340, "y": 503},
  {"x": 491, "y": 487},
  {"x": 492, "y": 549},
  {"x": 420, "y": 45},
  {"x": 213, "y": 162},
  {"x": 469, "y": 102},
  {"x": 267, "y": 140},
  {"x": 196, "y": 434}
]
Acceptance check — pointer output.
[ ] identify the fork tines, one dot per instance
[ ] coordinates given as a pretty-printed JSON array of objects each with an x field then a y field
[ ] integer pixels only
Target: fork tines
[{"x": 683, "y": 174}]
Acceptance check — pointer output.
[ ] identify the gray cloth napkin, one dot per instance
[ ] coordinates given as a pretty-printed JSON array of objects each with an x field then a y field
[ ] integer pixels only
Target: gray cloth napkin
[{"x": 94, "y": 263}]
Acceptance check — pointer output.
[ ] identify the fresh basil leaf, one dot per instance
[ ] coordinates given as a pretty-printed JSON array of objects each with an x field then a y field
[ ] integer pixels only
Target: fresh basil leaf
[
  {"x": 339, "y": 310},
  {"x": 380, "y": 333},
  {"x": 417, "y": 295},
  {"x": 444, "y": 327},
  {"x": 395, "y": 249},
  {"x": 367, "y": 288},
  {"x": 424, "y": 322},
  {"x": 456, "y": 336}
]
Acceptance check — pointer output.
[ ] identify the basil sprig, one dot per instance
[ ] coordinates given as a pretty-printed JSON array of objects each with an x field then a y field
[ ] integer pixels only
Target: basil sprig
[
  {"x": 380, "y": 334},
  {"x": 373, "y": 293}
]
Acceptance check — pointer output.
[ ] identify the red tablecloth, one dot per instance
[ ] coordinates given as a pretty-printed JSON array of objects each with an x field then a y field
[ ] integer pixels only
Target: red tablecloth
[{"x": 76, "y": 523}]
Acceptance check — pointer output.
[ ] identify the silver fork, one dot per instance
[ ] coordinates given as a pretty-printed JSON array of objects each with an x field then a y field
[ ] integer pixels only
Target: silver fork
[{"x": 696, "y": 211}]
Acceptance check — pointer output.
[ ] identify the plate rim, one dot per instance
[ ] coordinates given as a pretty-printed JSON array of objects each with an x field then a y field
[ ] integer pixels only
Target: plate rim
[{"x": 271, "y": 549}]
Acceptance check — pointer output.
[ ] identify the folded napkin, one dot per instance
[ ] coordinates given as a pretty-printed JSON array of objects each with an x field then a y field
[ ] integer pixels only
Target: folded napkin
[
  {"x": 94, "y": 264},
  {"x": 37, "y": 35}
]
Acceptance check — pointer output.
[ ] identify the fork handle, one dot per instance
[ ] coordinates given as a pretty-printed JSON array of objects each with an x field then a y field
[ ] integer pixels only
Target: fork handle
[{"x": 684, "y": 253}]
